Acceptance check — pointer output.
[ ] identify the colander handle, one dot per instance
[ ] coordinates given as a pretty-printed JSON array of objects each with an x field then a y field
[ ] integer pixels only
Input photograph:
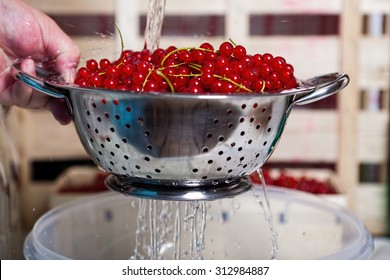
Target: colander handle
[
  {"x": 325, "y": 86},
  {"x": 40, "y": 82}
]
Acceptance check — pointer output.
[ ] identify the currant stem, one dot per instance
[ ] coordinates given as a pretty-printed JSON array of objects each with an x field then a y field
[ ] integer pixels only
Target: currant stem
[
  {"x": 195, "y": 66},
  {"x": 166, "y": 79},
  {"x": 120, "y": 36},
  {"x": 263, "y": 87},
  {"x": 146, "y": 78},
  {"x": 233, "y": 82},
  {"x": 231, "y": 40}
]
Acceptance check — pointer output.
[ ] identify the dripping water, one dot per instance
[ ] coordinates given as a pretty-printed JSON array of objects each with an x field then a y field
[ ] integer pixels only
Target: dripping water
[{"x": 266, "y": 207}]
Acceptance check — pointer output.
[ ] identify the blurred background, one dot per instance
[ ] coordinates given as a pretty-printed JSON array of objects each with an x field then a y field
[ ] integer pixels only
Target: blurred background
[{"x": 342, "y": 140}]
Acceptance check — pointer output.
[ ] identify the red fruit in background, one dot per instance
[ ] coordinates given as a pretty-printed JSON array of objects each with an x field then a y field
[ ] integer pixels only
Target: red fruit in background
[{"x": 301, "y": 183}]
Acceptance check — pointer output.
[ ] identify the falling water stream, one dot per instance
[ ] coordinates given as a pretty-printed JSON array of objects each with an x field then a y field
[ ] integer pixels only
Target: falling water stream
[
  {"x": 176, "y": 229},
  {"x": 154, "y": 21}
]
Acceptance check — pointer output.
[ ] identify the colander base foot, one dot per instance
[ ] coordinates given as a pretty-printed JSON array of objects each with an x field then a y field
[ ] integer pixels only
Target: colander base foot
[{"x": 129, "y": 187}]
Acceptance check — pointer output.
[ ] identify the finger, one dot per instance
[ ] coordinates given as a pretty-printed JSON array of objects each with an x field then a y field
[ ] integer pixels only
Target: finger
[
  {"x": 59, "y": 110},
  {"x": 56, "y": 106},
  {"x": 64, "y": 50},
  {"x": 22, "y": 95}
]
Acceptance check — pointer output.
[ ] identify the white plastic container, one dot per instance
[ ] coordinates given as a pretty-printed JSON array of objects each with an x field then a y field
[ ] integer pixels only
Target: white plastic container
[{"x": 308, "y": 227}]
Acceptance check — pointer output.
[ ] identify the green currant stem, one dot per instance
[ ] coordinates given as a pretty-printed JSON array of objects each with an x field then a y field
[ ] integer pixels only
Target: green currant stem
[
  {"x": 230, "y": 81},
  {"x": 187, "y": 75},
  {"x": 195, "y": 66},
  {"x": 120, "y": 36},
  {"x": 166, "y": 79},
  {"x": 231, "y": 40},
  {"x": 146, "y": 79}
]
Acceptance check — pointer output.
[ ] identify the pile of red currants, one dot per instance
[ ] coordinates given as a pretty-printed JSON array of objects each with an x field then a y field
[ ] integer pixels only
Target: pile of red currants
[
  {"x": 226, "y": 70},
  {"x": 302, "y": 183}
]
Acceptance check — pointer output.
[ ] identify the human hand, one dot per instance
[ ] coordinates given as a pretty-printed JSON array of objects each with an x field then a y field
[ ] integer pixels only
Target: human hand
[{"x": 28, "y": 34}]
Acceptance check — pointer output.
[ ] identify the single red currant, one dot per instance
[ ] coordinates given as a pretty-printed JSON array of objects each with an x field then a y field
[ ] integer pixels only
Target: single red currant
[{"x": 226, "y": 49}]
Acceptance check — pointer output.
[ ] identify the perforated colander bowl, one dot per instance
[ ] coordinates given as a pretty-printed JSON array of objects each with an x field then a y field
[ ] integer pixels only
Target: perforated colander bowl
[{"x": 162, "y": 140}]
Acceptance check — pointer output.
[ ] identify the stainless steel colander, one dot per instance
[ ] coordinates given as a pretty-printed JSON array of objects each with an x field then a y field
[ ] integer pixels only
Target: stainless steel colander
[{"x": 180, "y": 146}]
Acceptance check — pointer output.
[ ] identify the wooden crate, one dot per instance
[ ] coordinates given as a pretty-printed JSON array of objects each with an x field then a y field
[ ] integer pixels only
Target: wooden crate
[{"x": 353, "y": 134}]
